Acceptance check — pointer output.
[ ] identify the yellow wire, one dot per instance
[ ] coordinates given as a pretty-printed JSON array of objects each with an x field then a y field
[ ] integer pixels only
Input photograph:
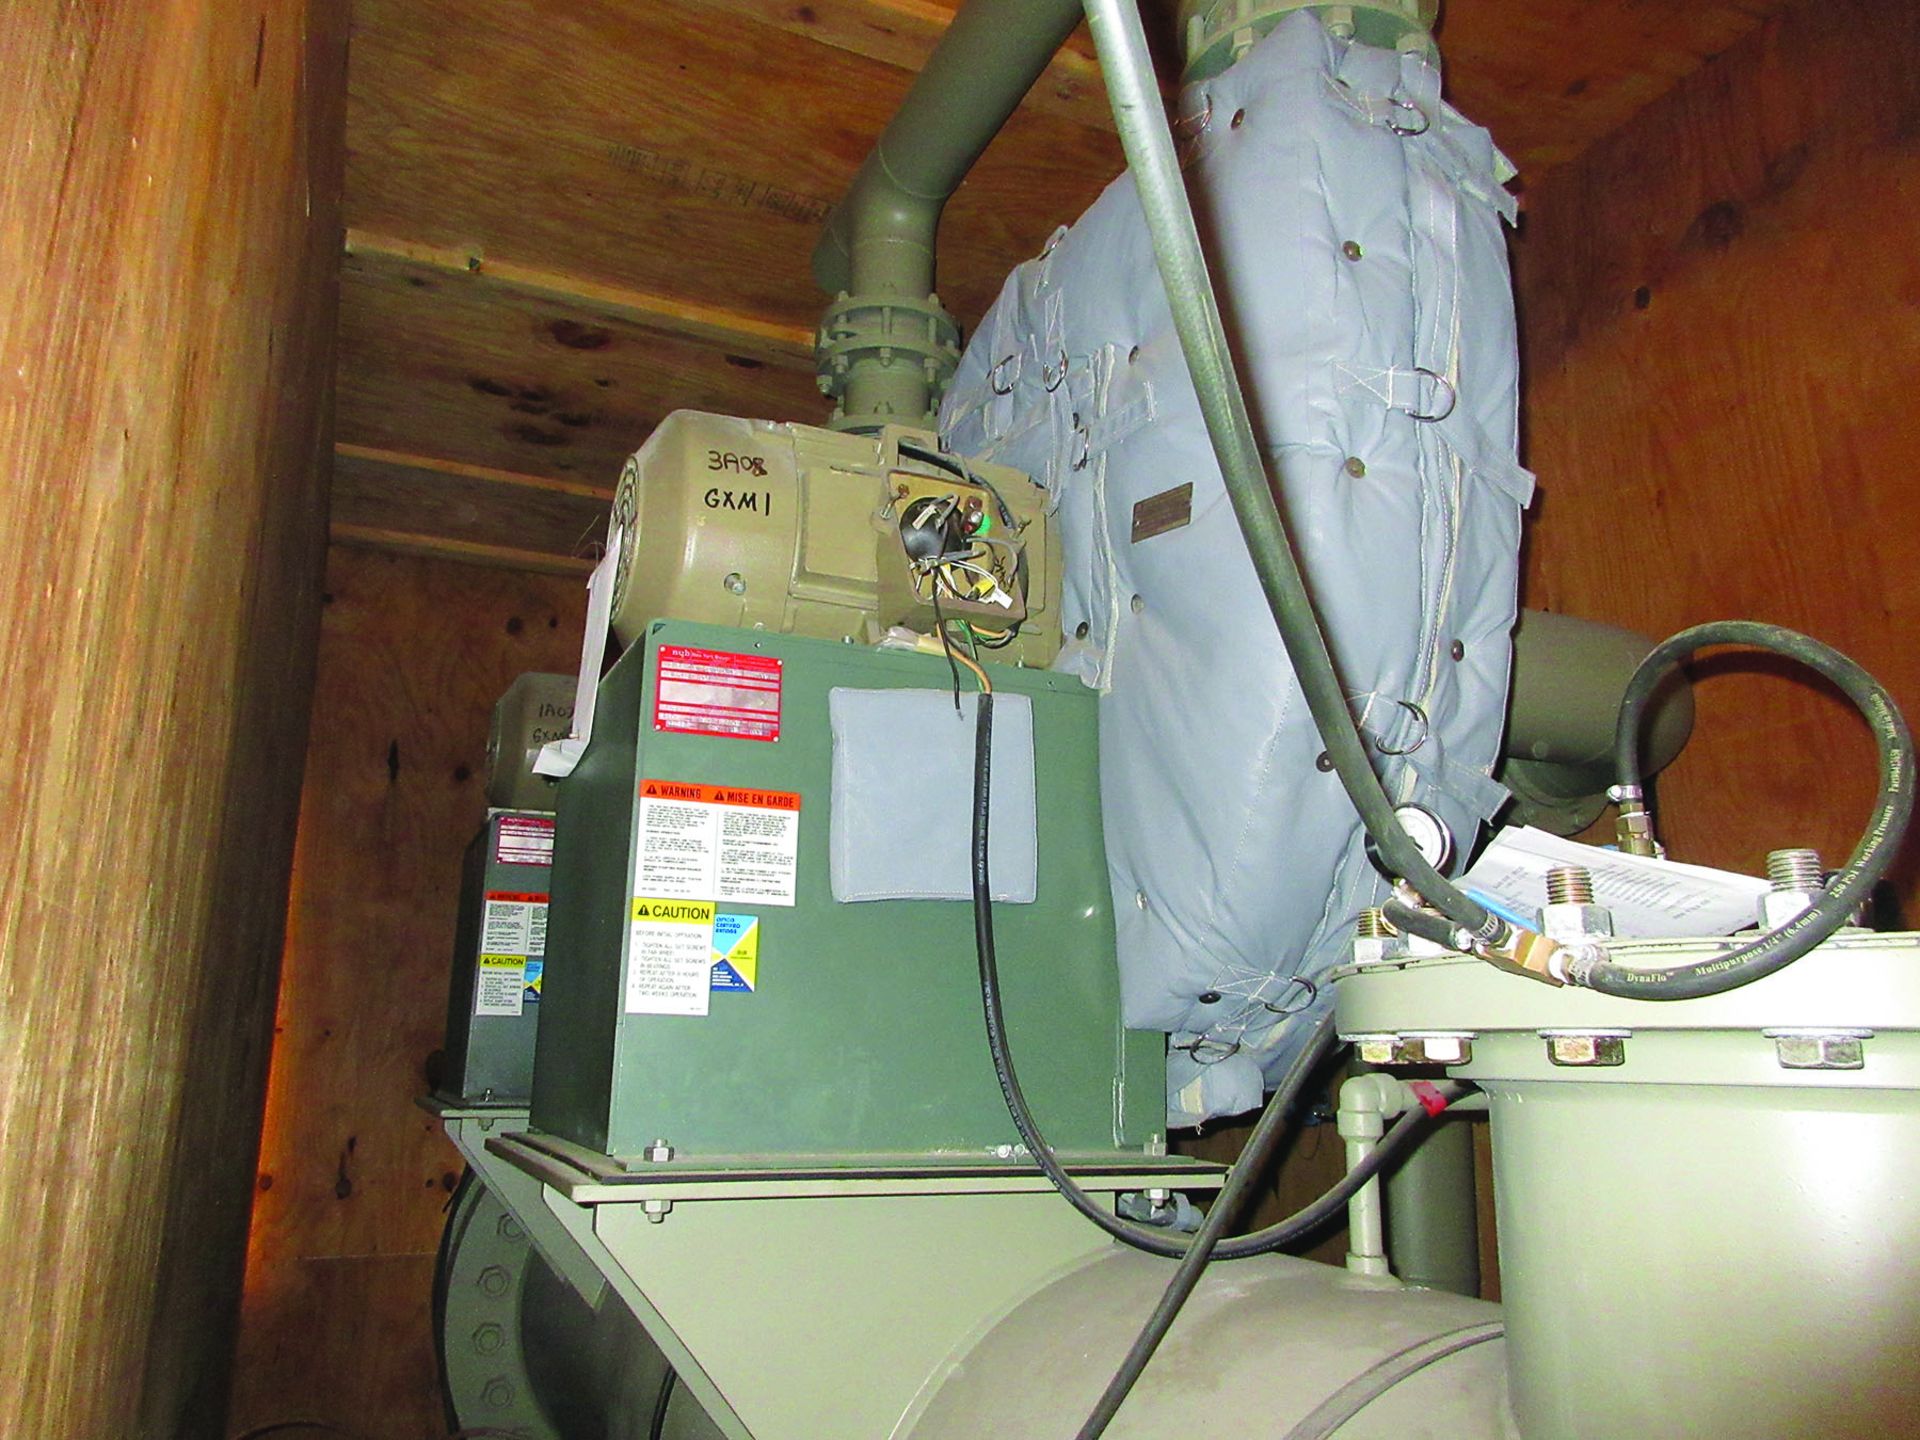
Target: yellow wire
[{"x": 986, "y": 685}]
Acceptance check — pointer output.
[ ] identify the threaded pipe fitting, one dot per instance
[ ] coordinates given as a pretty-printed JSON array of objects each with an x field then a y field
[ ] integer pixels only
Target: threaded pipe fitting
[
  {"x": 1795, "y": 870},
  {"x": 1569, "y": 885},
  {"x": 1372, "y": 925}
]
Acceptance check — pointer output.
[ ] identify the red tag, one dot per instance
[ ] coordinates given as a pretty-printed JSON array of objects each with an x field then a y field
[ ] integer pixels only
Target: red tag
[
  {"x": 1429, "y": 1096},
  {"x": 524, "y": 840},
  {"x": 717, "y": 692}
]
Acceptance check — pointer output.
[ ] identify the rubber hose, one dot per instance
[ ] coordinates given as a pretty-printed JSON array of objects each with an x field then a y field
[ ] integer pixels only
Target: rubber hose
[
  {"x": 1892, "y": 809},
  {"x": 1260, "y": 1144},
  {"x": 1134, "y": 92},
  {"x": 657, "y": 1425}
]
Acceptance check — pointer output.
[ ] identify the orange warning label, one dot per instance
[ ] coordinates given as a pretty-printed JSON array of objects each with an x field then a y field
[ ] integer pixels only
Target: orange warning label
[
  {"x": 718, "y": 795},
  {"x": 518, "y": 897}
]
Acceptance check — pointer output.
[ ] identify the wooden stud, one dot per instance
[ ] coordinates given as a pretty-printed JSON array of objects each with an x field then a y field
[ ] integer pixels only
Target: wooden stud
[{"x": 170, "y": 183}]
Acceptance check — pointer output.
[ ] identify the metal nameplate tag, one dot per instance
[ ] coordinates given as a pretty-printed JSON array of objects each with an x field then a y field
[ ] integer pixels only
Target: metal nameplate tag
[{"x": 1157, "y": 514}]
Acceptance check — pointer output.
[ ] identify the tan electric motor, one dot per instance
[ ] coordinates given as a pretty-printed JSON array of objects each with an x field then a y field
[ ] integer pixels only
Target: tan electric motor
[{"x": 805, "y": 531}]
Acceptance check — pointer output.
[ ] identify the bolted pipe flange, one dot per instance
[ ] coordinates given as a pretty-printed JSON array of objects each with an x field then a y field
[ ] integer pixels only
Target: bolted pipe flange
[{"x": 885, "y": 359}]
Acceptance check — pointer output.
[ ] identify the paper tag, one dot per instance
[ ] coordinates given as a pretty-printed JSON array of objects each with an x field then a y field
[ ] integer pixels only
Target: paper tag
[
  {"x": 717, "y": 692},
  {"x": 558, "y": 757},
  {"x": 1650, "y": 899},
  {"x": 524, "y": 840},
  {"x": 501, "y": 989},
  {"x": 670, "y": 956},
  {"x": 736, "y": 952},
  {"x": 727, "y": 842}
]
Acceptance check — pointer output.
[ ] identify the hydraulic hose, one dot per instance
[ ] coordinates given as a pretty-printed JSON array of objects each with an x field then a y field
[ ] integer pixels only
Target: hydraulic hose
[
  {"x": 1148, "y": 141},
  {"x": 1892, "y": 809}
]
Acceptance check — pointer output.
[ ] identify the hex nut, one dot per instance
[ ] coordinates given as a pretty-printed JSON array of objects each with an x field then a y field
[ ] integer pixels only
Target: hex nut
[
  {"x": 1373, "y": 949},
  {"x": 1569, "y": 921},
  {"x": 659, "y": 1152},
  {"x": 1777, "y": 907},
  {"x": 1808, "y": 1050},
  {"x": 1586, "y": 1048},
  {"x": 1414, "y": 1049}
]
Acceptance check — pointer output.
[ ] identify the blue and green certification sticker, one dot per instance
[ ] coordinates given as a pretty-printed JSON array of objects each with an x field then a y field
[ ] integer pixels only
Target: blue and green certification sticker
[{"x": 736, "y": 951}]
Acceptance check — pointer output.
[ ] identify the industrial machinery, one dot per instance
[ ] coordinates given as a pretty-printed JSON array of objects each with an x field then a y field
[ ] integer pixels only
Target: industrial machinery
[{"x": 1034, "y": 759}]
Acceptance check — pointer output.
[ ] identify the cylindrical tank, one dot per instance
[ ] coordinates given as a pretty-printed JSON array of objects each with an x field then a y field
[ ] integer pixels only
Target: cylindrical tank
[
  {"x": 1708, "y": 1210},
  {"x": 1268, "y": 1346}
]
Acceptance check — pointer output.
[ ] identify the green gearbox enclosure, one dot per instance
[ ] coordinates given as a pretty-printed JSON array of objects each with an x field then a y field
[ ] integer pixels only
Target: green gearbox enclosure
[{"x": 861, "y": 1038}]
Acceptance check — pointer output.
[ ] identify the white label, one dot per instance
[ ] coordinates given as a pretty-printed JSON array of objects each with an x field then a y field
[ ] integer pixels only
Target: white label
[
  {"x": 508, "y": 929},
  {"x": 701, "y": 842},
  {"x": 502, "y": 985},
  {"x": 669, "y": 956}
]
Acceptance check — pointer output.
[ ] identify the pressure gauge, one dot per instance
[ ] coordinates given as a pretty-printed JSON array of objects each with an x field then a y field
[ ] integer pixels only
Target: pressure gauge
[{"x": 1429, "y": 834}]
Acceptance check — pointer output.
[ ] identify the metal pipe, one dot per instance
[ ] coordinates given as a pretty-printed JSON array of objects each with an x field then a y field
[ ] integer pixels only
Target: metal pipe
[
  {"x": 1433, "y": 1227},
  {"x": 879, "y": 238},
  {"x": 1367, "y": 1102},
  {"x": 886, "y": 346},
  {"x": 1569, "y": 677}
]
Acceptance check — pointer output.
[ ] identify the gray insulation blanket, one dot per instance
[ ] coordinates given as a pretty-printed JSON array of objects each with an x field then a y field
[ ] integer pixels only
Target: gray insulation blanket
[{"x": 1354, "y": 224}]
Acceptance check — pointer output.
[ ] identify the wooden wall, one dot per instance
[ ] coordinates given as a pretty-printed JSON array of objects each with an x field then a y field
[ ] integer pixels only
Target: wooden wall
[
  {"x": 353, "y": 1177},
  {"x": 169, "y": 236},
  {"x": 1721, "y": 315}
]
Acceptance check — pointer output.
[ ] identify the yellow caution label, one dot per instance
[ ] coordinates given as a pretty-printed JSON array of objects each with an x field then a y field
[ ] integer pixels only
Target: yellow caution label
[{"x": 672, "y": 912}]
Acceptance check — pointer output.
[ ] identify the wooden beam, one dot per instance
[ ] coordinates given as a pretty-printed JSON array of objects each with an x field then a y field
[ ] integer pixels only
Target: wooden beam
[
  {"x": 447, "y": 363},
  {"x": 434, "y": 463},
  {"x": 774, "y": 341},
  {"x": 171, "y": 193},
  {"x": 902, "y": 33},
  {"x": 440, "y": 547},
  {"x": 425, "y": 505}
]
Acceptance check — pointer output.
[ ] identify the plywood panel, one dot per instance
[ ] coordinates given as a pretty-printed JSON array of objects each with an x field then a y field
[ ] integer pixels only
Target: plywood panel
[
  {"x": 353, "y": 1178},
  {"x": 1721, "y": 312},
  {"x": 904, "y": 32},
  {"x": 1549, "y": 77},
  {"x": 676, "y": 149},
  {"x": 169, "y": 229},
  {"x": 466, "y": 370}
]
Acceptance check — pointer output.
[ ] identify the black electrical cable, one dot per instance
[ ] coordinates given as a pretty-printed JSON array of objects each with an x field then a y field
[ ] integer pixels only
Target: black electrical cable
[
  {"x": 1851, "y": 885},
  {"x": 657, "y": 1426},
  {"x": 1260, "y": 1146}
]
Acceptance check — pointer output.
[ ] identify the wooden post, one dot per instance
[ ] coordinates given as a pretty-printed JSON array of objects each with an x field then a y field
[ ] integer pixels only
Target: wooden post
[{"x": 170, "y": 181}]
